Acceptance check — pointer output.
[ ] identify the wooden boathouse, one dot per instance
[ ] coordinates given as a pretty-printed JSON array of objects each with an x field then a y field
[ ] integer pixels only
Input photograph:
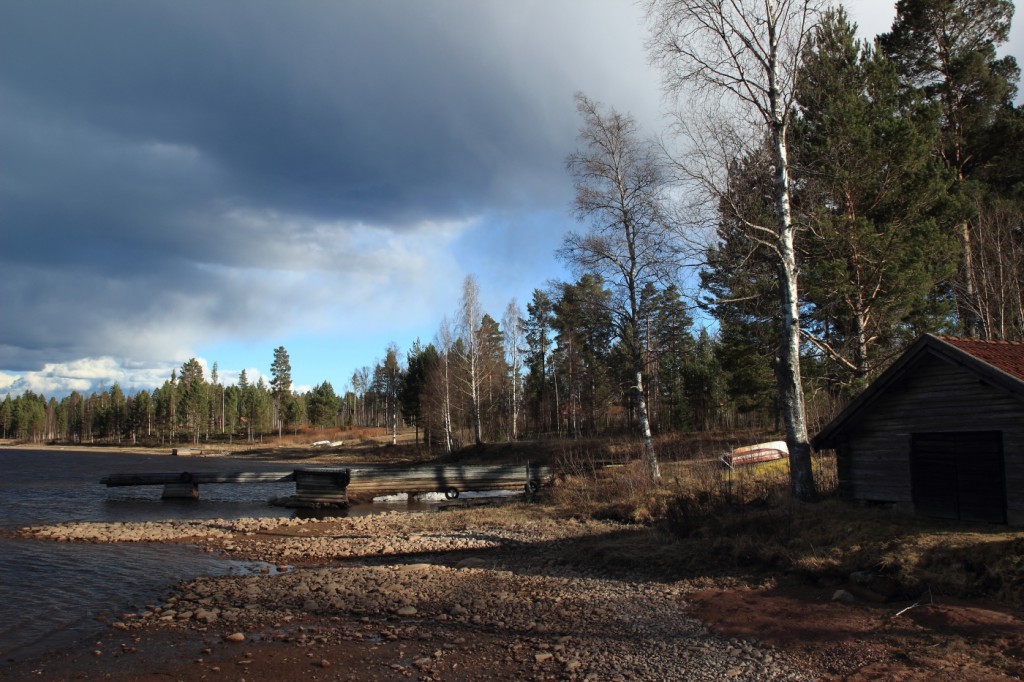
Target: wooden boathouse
[{"x": 940, "y": 432}]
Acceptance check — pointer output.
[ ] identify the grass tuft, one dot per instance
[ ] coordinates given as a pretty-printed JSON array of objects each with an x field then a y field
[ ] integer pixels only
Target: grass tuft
[{"x": 703, "y": 519}]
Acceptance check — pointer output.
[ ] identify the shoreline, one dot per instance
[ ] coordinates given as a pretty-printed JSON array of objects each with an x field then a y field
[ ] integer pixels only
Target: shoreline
[
  {"x": 168, "y": 450},
  {"x": 398, "y": 594},
  {"x": 522, "y": 590},
  {"x": 290, "y": 454},
  {"x": 504, "y": 593}
]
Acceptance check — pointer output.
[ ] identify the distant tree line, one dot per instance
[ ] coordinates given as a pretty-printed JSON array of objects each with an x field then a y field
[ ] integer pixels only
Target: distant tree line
[{"x": 556, "y": 369}]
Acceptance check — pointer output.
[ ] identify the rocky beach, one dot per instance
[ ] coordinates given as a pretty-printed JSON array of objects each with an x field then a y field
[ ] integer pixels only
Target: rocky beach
[
  {"x": 504, "y": 592},
  {"x": 454, "y": 595}
]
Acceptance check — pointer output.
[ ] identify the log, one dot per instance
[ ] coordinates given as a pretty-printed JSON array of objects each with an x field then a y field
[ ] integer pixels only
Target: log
[
  {"x": 450, "y": 478},
  {"x": 197, "y": 477}
]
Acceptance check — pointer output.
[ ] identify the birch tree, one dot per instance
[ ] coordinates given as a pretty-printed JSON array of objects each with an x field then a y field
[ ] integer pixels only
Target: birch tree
[
  {"x": 445, "y": 343},
  {"x": 619, "y": 185},
  {"x": 514, "y": 333},
  {"x": 392, "y": 376},
  {"x": 740, "y": 60},
  {"x": 470, "y": 316}
]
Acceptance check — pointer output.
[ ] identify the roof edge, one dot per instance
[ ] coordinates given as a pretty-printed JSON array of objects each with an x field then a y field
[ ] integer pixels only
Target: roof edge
[{"x": 926, "y": 343}]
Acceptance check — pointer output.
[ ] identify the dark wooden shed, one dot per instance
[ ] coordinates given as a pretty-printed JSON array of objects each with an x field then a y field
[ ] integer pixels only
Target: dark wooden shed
[{"x": 941, "y": 432}]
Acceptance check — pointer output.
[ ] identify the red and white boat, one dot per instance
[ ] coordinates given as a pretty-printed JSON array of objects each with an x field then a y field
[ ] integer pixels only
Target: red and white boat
[{"x": 752, "y": 454}]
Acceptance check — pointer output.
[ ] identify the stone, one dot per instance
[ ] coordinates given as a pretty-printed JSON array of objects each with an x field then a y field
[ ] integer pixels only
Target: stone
[
  {"x": 543, "y": 657},
  {"x": 205, "y": 616},
  {"x": 861, "y": 577},
  {"x": 407, "y": 611},
  {"x": 235, "y": 637},
  {"x": 843, "y": 596},
  {"x": 472, "y": 562}
]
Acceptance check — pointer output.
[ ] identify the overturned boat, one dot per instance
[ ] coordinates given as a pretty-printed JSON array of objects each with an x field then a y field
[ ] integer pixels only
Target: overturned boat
[{"x": 752, "y": 454}]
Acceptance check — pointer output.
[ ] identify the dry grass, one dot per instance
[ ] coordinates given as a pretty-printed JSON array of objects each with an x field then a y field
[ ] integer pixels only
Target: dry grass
[{"x": 705, "y": 520}]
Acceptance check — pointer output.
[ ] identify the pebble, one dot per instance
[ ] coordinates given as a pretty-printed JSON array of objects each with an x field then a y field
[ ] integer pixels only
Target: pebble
[
  {"x": 529, "y": 599},
  {"x": 843, "y": 596}
]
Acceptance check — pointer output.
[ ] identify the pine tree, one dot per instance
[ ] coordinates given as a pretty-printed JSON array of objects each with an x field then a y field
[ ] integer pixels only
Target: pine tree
[
  {"x": 192, "y": 397},
  {"x": 538, "y": 326},
  {"x": 947, "y": 48},
  {"x": 583, "y": 359},
  {"x": 281, "y": 386},
  {"x": 420, "y": 362},
  {"x": 668, "y": 343},
  {"x": 873, "y": 196},
  {"x": 322, "y": 405}
]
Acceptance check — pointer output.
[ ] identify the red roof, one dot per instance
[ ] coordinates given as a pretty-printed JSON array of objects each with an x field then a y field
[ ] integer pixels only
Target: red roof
[{"x": 1007, "y": 356}]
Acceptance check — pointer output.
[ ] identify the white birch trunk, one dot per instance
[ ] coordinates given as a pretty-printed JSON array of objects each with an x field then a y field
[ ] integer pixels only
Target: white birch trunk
[{"x": 790, "y": 382}]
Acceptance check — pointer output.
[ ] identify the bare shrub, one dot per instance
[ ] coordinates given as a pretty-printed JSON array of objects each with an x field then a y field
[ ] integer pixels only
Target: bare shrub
[
  {"x": 608, "y": 481},
  {"x": 826, "y": 473}
]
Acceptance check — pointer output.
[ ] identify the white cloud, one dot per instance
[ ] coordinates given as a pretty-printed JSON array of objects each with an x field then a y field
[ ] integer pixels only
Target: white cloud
[{"x": 85, "y": 376}]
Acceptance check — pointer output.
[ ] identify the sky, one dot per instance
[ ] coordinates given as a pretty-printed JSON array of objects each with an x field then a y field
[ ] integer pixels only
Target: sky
[{"x": 212, "y": 179}]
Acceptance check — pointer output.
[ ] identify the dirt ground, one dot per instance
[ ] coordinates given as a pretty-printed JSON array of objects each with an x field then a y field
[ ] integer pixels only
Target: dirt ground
[
  {"x": 946, "y": 639},
  {"x": 536, "y": 610},
  {"x": 855, "y": 642},
  {"x": 625, "y": 628}
]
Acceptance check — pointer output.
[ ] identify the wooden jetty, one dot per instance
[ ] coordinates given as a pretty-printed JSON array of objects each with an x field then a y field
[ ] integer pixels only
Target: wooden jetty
[
  {"x": 369, "y": 482},
  {"x": 320, "y": 486},
  {"x": 330, "y": 486}
]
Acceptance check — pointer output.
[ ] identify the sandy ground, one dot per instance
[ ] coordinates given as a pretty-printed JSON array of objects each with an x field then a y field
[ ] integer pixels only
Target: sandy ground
[{"x": 501, "y": 593}]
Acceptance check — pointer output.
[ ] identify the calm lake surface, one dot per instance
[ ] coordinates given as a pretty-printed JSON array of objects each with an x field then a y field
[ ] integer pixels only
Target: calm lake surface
[{"x": 53, "y": 594}]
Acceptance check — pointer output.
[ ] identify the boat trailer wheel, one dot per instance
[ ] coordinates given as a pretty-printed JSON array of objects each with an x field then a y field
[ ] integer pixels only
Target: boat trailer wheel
[{"x": 451, "y": 493}]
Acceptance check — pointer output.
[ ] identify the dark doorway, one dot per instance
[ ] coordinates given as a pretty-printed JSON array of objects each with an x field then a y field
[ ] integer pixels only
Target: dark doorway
[{"x": 959, "y": 475}]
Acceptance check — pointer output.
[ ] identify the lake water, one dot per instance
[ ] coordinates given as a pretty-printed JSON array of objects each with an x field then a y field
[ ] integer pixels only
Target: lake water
[{"x": 52, "y": 594}]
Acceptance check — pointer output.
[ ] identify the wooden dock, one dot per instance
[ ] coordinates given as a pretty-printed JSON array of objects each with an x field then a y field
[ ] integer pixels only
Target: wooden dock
[
  {"x": 331, "y": 486},
  {"x": 452, "y": 480},
  {"x": 320, "y": 486}
]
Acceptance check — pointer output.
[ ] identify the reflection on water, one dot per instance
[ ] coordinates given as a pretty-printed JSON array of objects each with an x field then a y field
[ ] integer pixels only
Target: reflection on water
[
  {"x": 44, "y": 486},
  {"x": 51, "y": 594}
]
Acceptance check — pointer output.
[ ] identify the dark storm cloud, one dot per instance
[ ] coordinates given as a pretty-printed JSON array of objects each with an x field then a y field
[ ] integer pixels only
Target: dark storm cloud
[
  {"x": 161, "y": 161},
  {"x": 365, "y": 109}
]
